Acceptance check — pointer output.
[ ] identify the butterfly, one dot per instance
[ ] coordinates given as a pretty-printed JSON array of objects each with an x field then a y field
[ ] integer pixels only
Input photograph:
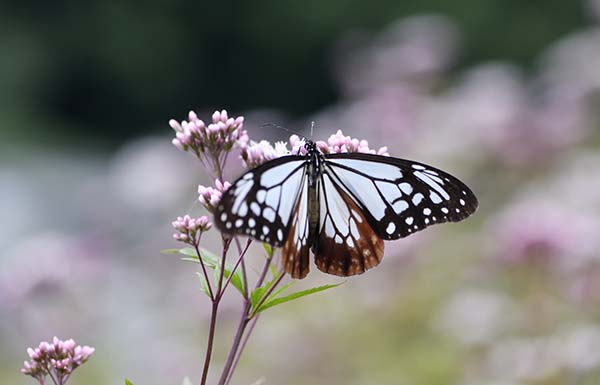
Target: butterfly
[{"x": 340, "y": 205}]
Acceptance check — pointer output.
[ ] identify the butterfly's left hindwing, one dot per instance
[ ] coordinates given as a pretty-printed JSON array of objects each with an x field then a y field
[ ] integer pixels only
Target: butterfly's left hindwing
[{"x": 260, "y": 203}]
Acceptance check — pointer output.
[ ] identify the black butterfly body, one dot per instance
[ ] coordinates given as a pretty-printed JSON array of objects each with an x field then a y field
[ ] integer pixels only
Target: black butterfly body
[{"x": 342, "y": 206}]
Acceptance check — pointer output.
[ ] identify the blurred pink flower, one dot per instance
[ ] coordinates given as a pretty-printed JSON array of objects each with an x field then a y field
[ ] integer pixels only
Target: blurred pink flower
[
  {"x": 57, "y": 359},
  {"x": 539, "y": 230}
]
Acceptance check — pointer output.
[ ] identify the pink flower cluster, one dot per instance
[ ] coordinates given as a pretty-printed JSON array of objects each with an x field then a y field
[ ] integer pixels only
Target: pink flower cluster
[
  {"x": 188, "y": 228},
  {"x": 210, "y": 196},
  {"x": 339, "y": 143},
  {"x": 57, "y": 360},
  {"x": 256, "y": 153},
  {"x": 213, "y": 139}
]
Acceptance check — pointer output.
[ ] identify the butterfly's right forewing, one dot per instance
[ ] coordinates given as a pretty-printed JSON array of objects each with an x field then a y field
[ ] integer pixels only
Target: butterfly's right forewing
[{"x": 260, "y": 203}]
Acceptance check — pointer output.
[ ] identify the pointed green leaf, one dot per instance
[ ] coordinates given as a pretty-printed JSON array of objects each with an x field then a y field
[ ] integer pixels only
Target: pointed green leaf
[
  {"x": 186, "y": 381},
  {"x": 268, "y": 248},
  {"x": 203, "y": 284},
  {"x": 213, "y": 262},
  {"x": 127, "y": 382},
  {"x": 257, "y": 295},
  {"x": 276, "y": 293},
  {"x": 168, "y": 251},
  {"x": 277, "y": 301},
  {"x": 236, "y": 281}
]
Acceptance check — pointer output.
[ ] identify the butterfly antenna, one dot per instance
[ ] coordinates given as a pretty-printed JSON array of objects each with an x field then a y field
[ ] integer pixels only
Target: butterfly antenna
[
  {"x": 282, "y": 128},
  {"x": 312, "y": 129}
]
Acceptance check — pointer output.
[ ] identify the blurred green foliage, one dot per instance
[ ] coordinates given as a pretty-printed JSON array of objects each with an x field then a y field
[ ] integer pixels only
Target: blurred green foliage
[{"x": 108, "y": 70}]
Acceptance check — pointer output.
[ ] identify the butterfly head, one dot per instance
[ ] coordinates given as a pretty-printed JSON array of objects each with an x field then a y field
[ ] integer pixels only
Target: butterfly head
[{"x": 310, "y": 146}]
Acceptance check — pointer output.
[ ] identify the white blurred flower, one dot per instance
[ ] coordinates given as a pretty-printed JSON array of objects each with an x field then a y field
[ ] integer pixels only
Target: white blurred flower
[
  {"x": 476, "y": 317},
  {"x": 593, "y": 7},
  {"x": 38, "y": 262},
  {"x": 526, "y": 359},
  {"x": 148, "y": 175},
  {"x": 572, "y": 63},
  {"x": 411, "y": 50},
  {"x": 581, "y": 348}
]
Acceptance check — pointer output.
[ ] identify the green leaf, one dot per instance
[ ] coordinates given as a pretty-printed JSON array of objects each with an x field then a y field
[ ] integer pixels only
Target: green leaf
[
  {"x": 236, "y": 280},
  {"x": 203, "y": 284},
  {"x": 268, "y": 248},
  {"x": 186, "y": 381},
  {"x": 169, "y": 251},
  {"x": 127, "y": 382},
  {"x": 213, "y": 262},
  {"x": 257, "y": 295},
  {"x": 278, "y": 301},
  {"x": 281, "y": 290}
]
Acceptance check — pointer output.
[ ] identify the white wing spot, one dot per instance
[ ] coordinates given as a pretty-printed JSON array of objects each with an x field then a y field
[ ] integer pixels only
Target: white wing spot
[
  {"x": 417, "y": 199},
  {"x": 462, "y": 202},
  {"x": 273, "y": 195},
  {"x": 338, "y": 239},
  {"x": 248, "y": 176},
  {"x": 280, "y": 235},
  {"x": 354, "y": 229},
  {"x": 444, "y": 210},
  {"x": 400, "y": 206},
  {"x": 261, "y": 195},
  {"x": 255, "y": 208},
  {"x": 458, "y": 210},
  {"x": 426, "y": 211},
  {"x": 269, "y": 214},
  {"x": 329, "y": 230},
  {"x": 391, "y": 227},
  {"x": 243, "y": 209},
  {"x": 464, "y": 192},
  {"x": 357, "y": 216},
  {"x": 265, "y": 230},
  {"x": 433, "y": 182},
  {"x": 418, "y": 167},
  {"x": 223, "y": 217},
  {"x": 434, "y": 197},
  {"x": 349, "y": 242},
  {"x": 228, "y": 225},
  {"x": 388, "y": 190},
  {"x": 251, "y": 222},
  {"x": 426, "y": 220},
  {"x": 409, "y": 221},
  {"x": 239, "y": 223},
  {"x": 406, "y": 188}
]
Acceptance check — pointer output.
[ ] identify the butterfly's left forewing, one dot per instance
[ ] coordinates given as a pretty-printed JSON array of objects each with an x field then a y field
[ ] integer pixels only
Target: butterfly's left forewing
[
  {"x": 400, "y": 197},
  {"x": 260, "y": 203}
]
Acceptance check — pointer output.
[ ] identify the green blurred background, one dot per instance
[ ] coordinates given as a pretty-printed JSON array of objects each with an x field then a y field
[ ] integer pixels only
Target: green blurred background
[{"x": 503, "y": 94}]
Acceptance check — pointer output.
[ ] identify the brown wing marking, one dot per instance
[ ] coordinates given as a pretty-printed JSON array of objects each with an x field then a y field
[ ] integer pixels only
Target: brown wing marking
[
  {"x": 296, "y": 247},
  {"x": 348, "y": 248}
]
